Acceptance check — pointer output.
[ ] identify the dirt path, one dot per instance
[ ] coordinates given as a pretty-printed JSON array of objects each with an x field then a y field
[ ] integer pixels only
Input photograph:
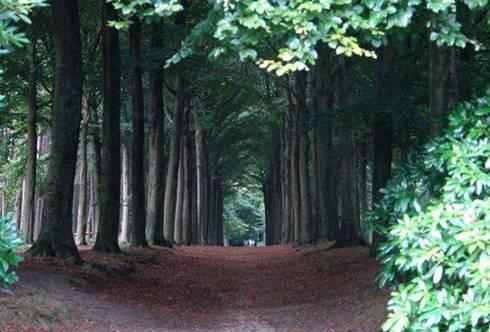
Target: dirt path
[{"x": 204, "y": 289}]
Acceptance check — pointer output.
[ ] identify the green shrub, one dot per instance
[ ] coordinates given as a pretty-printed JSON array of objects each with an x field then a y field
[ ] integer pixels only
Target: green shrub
[
  {"x": 9, "y": 243},
  {"x": 436, "y": 217}
]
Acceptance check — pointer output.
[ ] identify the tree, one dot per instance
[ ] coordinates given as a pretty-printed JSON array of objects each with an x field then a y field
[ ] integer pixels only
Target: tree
[
  {"x": 56, "y": 238},
  {"x": 156, "y": 189},
  {"x": 382, "y": 135},
  {"x": 202, "y": 181},
  {"x": 137, "y": 157},
  {"x": 173, "y": 163},
  {"x": 349, "y": 213},
  {"x": 30, "y": 180},
  {"x": 83, "y": 196},
  {"x": 109, "y": 199},
  {"x": 324, "y": 179}
]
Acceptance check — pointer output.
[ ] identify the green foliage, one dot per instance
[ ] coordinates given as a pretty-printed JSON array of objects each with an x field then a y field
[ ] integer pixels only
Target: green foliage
[
  {"x": 144, "y": 9},
  {"x": 147, "y": 7},
  {"x": 437, "y": 213},
  {"x": 293, "y": 28},
  {"x": 12, "y": 12},
  {"x": 244, "y": 215},
  {"x": 9, "y": 243}
]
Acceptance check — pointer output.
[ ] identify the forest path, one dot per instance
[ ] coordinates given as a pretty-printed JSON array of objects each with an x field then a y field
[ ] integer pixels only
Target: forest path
[{"x": 277, "y": 288}]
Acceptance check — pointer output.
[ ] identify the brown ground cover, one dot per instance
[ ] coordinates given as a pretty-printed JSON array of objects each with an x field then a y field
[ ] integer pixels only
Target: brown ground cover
[{"x": 278, "y": 288}]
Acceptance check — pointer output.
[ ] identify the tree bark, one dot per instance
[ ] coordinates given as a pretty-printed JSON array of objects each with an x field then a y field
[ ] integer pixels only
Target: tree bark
[
  {"x": 38, "y": 218},
  {"x": 323, "y": 100},
  {"x": 82, "y": 203},
  {"x": 272, "y": 191},
  {"x": 269, "y": 234},
  {"x": 187, "y": 180},
  {"x": 173, "y": 163},
  {"x": 138, "y": 238},
  {"x": 382, "y": 136},
  {"x": 195, "y": 225},
  {"x": 286, "y": 182},
  {"x": 18, "y": 206},
  {"x": 98, "y": 173},
  {"x": 108, "y": 227},
  {"x": 56, "y": 237},
  {"x": 294, "y": 172},
  {"x": 125, "y": 236},
  {"x": 212, "y": 221},
  {"x": 304, "y": 179},
  {"x": 202, "y": 182},
  {"x": 28, "y": 207},
  {"x": 154, "y": 226},
  {"x": 179, "y": 200},
  {"x": 349, "y": 216},
  {"x": 219, "y": 212},
  {"x": 92, "y": 216}
]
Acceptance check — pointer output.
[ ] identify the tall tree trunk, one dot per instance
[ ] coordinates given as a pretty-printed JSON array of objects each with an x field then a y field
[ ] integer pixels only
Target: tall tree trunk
[
  {"x": 28, "y": 207},
  {"x": 279, "y": 215},
  {"x": 349, "y": 217},
  {"x": 179, "y": 200},
  {"x": 82, "y": 203},
  {"x": 173, "y": 163},
  {"x": 42, "y": 148},
  {"x": 323, "y": 105},
  {"x": 272, "y": 192},
  {"x": 294, "y": 172},
  {"x": 125, "y": 236},
  {"x": 93, "y": 208},
  {"x": 382, "y": 136},
  {"x": 286, "y": 181},
  {"x": 202, "y": 182},
  {"x": 108, "y": 227},
  {"x": 98, "y": 173},
  {"x": 363, "y": 189},
  {"x": 269, "y": 234},
  {"x": 154, "y": 226},
  {"x": 18, "y": 206},
  {"x": 138, "y": 238},
  {"x": 76, "y": 196},
  {"x": 212, "y": 222},
  {"x": 219, "y": 212},
  {"x": 317, "y": 209},
  {"x": 363, "y": 185},
  {"x": 56, "y": 237},
  {"x": 187, "y": 180},
  {"x": 195, "y": 225},
  {"x": 304, "y": 179},
  {"x": 38, "y": 218}
]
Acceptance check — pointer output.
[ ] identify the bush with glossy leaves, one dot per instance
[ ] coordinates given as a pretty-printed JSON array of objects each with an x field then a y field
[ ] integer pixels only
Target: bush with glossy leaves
[
  {"x": 9, "y": 243},
  {"x": 435, "y": 216}
]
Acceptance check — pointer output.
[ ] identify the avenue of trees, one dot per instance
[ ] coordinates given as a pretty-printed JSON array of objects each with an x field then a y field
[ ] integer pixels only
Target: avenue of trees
[{"x": 166, "y": 122}]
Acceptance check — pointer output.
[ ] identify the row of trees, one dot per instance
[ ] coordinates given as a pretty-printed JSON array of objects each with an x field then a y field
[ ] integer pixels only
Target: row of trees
[
  {"x": 154, "y": 151},
  {"x": 331, "y": 158},
  {"x": 129, "y": 187},
  {"x": 320, "y": 137}
]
